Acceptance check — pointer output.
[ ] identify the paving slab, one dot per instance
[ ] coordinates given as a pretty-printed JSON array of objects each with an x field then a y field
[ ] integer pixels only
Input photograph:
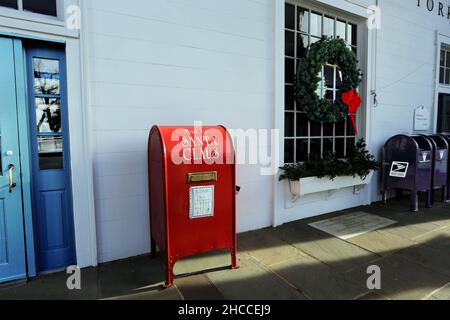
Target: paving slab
[
  {"x": 402, "y": 279},
  {"x": 433, "y": 259},
  {"x": 203, "y": 262},
  {"x": 252, "y": 282},
  {"x": 53, "y": 287},
  {"x": 441, "y": 294},
  {"x": 381, "y": 242},
  {"x": 266, "y": 247},
  {"x": 131, "y": 276},
  {"x": 317, "y": 280},
  {"x": 438, "y": 239},
  {"x": 438, "y": 215},
  {"x": 413, "y": 229},
  {"x": 372, "y": 296},
  {"x": 326, "y": 248},
  {"x": 197, "y": 287},
  {"x": 159, "y": 294}
]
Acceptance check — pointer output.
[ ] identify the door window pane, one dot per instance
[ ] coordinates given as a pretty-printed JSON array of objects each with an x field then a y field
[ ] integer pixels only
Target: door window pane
[
  {"x": 48, "y": 115},
  {"x": 329, "y": 76},
  {"x": 302, "y": 124},
  {"x": 327, "y": 146},
  {"x": 340, "y": 152},
  {"x": 352, "y": 34},
  {"x": 289, "y": 97},
  {"x": 290, "y": 16},
  {"x": 289, "y": 124},
  {"x": 46, "y": 76},
  {"x": 289, "y": 150},
  {"x": 328, "y": 27},
  {"x": 50, "y": 151},
  {"x": 302, "y": 44},
  {"x": 9, "y": 4},
  {"x": 302, "y": 150},
  {"x": 444, "y": 113},
  {"x": 316, "y": 24},
  {"x": 340, "y": 29},
  {"x": 303, "y": 20},
  {"x": 289, "y": 67},
  {"x": 340, "y": 129},
  {"x": 47, "y": 7},
  {"x": 290, "y": 45},
  {"x": 315, "y": 148}
]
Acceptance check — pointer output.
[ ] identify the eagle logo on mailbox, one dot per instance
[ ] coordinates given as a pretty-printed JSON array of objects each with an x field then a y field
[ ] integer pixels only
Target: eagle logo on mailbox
[{"x": 399, "y": 169}]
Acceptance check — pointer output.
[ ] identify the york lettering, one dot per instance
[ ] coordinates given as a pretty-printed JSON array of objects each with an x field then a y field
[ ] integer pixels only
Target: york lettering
[{"x": 438, "y": 7}]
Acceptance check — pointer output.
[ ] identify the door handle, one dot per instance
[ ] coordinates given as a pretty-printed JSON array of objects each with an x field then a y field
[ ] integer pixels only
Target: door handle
[{"x": 11, "y": 184}]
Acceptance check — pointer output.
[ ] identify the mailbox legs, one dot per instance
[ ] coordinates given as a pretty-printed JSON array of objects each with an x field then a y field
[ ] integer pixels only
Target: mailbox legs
[
  {"x": 414, "y": 201},
  {"x": 444, "y": 194},
  {"x": 234, "y": 264},
  {"x": 429, "y": 203},
  {"x": 153, "y": 248},
  {"x": 169, "y": 271}
]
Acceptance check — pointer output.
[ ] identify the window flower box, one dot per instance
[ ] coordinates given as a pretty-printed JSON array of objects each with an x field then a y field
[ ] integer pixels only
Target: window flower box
[{"x": 312, "y": 185}]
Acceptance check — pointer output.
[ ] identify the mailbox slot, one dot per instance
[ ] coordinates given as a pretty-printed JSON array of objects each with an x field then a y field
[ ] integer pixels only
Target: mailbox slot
[{"x": 197, "y": 177}]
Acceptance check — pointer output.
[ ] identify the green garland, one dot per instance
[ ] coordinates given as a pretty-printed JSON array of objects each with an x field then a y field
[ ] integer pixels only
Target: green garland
[
  {"x": 359, "y": 163},
  {"x": 331, "y": 51}
]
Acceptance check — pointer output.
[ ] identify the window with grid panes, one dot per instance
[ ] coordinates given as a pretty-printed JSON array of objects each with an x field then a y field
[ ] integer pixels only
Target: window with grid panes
[
  {"x": 304, "y": 138},
  {"x": 46, "y": 7},
  {"x": 444, "y": 73}
]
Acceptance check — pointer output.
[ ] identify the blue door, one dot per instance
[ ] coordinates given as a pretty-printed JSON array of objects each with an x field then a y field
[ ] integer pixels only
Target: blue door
[
  {"x": 12, "y": 243},
  {"x": 49, "y": 143}
]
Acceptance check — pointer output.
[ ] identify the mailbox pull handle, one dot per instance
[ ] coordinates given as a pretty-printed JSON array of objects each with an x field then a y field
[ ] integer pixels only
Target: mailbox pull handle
[{"x": 238, "y": 189}]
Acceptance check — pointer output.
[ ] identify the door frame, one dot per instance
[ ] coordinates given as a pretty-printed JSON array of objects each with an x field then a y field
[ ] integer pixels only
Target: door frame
[
  {"x": 79, "y": 142},
  {"x": 49, "y": 51},
  {"x": 24, "y": 147},
  {"x": 441, "y": 40}
]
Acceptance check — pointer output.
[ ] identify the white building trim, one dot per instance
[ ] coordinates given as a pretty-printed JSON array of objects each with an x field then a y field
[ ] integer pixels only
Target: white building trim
[
  {"x": 358, "y": 14},
  {"x": 30, "y": 26}
]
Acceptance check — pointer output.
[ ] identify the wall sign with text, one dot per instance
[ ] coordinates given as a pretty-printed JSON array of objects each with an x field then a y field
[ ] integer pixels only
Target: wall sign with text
[{"x": 440, "y": 8}]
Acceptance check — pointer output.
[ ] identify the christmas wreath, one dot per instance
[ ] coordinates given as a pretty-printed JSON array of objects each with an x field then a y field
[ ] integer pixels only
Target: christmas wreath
[{"x": 334, "y": 52}]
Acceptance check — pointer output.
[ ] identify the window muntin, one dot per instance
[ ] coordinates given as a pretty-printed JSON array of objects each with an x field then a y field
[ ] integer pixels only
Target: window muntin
[
  {"x": 304, "y": 138},
  {"x": 45, "y": 7},
  {"x": 444, "y": 66}
]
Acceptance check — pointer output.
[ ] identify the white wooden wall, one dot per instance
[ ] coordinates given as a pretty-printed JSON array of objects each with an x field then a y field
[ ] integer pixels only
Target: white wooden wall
[{"x": 172, "y": 62}]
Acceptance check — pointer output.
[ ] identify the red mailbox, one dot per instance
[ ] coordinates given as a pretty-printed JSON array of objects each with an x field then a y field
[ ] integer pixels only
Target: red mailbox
[{"x": 192, "y": 184}]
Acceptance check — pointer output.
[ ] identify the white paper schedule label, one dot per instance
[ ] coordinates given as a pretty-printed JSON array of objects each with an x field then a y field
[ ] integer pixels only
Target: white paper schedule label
[{"x": 201, "y": 202}]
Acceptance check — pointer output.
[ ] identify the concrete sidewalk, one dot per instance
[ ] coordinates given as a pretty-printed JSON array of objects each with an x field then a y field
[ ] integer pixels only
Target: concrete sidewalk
[{"x": 294, "y": 261}]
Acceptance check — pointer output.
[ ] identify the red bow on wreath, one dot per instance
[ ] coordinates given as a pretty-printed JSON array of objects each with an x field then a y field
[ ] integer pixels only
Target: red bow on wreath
[{"x": 352, "y": 99}]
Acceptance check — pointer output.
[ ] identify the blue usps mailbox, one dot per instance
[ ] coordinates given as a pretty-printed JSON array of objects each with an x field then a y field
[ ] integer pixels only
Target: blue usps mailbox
[
  {"x": 439, "y": 178},
  {"x": 408, "y": 165}
]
